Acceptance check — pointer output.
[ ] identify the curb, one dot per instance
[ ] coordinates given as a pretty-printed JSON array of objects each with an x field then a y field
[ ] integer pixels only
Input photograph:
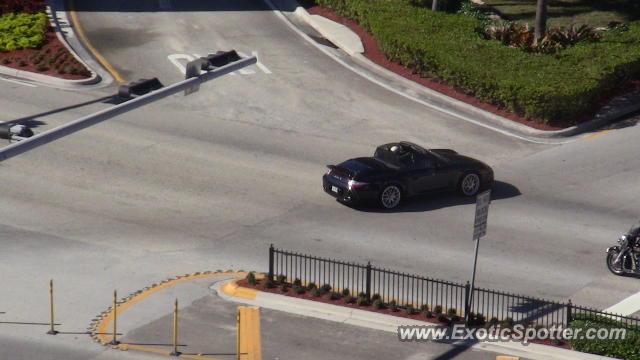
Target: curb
[
  {"x": 52, "y": 15},
  {"x": 99, "y": 327},
  {"x": 389, "y": 323},
  {"x": 616, "y": 109}
]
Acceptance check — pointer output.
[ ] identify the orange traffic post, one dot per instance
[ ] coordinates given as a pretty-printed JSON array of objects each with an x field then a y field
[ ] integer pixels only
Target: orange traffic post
[
  {"x": 114, "y": 341},
  {"x": 175, "y": 351},
  {"x": 52, "y": 330}
]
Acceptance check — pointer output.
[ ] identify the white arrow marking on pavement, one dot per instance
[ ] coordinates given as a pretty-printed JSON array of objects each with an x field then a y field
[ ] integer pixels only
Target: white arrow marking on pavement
[
  {"x": 174, "y": 60},
  {"x": 627, "y": 306},
  {"x": 259, "y": 64}
]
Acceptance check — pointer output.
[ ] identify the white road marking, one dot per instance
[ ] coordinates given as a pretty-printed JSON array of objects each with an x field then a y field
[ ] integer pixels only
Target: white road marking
[
  {"x": 18, "y": 82},
  {"x": 174, "y": 60},
  {"x": 260, "y": 65},
  {"x": 627, "y": 306}
]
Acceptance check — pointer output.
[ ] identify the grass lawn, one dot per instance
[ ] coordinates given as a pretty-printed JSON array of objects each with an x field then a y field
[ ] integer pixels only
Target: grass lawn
[{"x": 565, "y": 12}]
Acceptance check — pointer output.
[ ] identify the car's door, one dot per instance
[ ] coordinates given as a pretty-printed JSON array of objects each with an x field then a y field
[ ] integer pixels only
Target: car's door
[{"x": 426, "y": 175}]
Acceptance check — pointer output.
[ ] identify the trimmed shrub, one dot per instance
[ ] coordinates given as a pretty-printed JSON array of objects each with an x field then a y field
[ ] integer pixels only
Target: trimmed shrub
[
  {"x": 299, "y": 289},
  {"x": 362, "y": 301},
  {"x": 427, "y": 314},
  {"x": 22, "y": 31},
  {"x": 334, "y": 295},
  {"x": 251, "y": 278},
  {"x": 284, "y": 288},
  {"x": 393, "y": 306},
  {"x": 346, "y": 292},
  {"x": 507, "y": 323},
  {"x": 312, "y": 285},
  {"x": 348, "y": 299},
  {"x": 451, "y": 311},
  {"x": 281, "y": 278},
  {"x": 315, "y": 292},
  {"x": 624, "y": 349},
  {"x": 297, "y": 282},
  {"x": 375, "y": 297},
  {"x": 268, "y": 283},
  {"x": 409, "y": 310},
  {"x": 437, "y": 309},
  {"x": 443, "y": 318},
  {"x": 378, "y": 304},
  {"x": 325, "y": 288}
]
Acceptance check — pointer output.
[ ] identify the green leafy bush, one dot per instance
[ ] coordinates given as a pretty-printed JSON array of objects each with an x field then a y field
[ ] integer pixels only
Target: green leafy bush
[
  {"x": 378, "y": 304},
  {"x": 315, "y": 292},
  {"x": 625, "y": 349},
  {"x": 393, "y": 306},
  {"x": 22, "y": 31},
  {"x": 251, "y": 279},
  {"x": 451, "y": 47},
  {"x": 409, "y": 310}
]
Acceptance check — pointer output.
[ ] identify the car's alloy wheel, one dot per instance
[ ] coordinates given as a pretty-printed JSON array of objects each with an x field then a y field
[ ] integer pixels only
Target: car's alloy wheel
[
  {"x": 470, "y": 184},
  {"x": 390, "y": 196}
]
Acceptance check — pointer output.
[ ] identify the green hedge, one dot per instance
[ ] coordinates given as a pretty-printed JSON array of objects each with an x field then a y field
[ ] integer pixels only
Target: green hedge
[
  {"x": 628, "y": 348},
  {"x": 22, "y": 31},
  {"x": 449, "y": 46}
]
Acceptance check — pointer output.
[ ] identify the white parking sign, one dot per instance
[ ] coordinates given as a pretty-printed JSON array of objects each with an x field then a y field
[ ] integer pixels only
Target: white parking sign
[{"x": 482, "y": 211}]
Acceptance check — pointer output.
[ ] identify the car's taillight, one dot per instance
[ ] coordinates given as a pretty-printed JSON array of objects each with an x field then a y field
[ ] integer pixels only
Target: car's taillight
[{"x": 356, "y": 184}]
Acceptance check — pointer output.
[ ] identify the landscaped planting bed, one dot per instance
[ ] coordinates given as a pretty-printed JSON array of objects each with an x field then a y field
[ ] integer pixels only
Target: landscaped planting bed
[
  {"x": 564, "y": 86},
  {"x": 29, "y": 43}
]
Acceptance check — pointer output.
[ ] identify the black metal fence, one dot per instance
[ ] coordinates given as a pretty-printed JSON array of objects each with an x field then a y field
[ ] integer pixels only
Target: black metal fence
[{"x": 406, "y": 289}]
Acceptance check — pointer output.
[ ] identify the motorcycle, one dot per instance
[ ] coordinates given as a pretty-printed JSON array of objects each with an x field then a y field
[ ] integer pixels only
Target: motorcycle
[{"x": 623, "y": 259}]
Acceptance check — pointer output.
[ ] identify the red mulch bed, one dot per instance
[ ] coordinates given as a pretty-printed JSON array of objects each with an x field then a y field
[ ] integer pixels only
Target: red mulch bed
[
  {"x": 373, "y": 53},
  {"x": 340, "y": 302},
  {"x": 65, "y": 66}
]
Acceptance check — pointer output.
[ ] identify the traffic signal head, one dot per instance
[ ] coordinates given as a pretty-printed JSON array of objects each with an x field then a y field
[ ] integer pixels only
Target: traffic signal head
[
  {"x": 12, "y": 131},
  {"x": 137, "y": 88}
]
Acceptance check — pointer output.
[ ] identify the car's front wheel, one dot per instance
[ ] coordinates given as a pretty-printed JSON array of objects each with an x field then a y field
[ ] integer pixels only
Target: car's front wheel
[
  {"x": 390, "y": 196},
  {"x": 469, "y": 184}
]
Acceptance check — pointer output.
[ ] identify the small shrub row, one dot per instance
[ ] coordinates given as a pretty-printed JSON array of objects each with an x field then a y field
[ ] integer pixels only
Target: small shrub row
[{"x": 624, "y": 349}]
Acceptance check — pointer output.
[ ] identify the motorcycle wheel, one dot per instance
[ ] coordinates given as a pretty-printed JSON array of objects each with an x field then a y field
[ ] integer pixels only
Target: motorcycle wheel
[{"x": 615, "y": 268}]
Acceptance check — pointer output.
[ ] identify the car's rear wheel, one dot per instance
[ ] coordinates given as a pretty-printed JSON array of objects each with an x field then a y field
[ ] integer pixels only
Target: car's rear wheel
[
  {"x": 469, "y": 184},
  {"x": 390, "y": 196}
]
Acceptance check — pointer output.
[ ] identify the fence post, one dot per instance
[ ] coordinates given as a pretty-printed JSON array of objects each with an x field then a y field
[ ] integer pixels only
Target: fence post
[
  {"x": 270, "y": 275},
  {"x": 569, "y": 315},
  {"x": 368, "y": 286},
  {"x": 467, "y": 309}
]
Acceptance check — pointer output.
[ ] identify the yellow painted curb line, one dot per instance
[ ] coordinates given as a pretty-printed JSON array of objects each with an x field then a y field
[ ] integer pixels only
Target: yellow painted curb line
[
  {"x": 101, "y": 327},
  {"x": 596, "y": 134},
  {"x": 233, "y": 289},
  {"x": 78, "y": 29}
]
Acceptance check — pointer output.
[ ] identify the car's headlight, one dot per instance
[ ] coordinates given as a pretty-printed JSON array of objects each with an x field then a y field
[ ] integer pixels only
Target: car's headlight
[{"x": 622, "y": 239}]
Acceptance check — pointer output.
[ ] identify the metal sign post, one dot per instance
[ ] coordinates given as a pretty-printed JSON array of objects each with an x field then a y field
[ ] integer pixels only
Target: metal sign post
[{"x": 479, "y": 230}]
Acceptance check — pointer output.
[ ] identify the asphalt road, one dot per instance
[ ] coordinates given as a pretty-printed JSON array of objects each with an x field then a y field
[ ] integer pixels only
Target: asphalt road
[{"x": 210, "y": 180}]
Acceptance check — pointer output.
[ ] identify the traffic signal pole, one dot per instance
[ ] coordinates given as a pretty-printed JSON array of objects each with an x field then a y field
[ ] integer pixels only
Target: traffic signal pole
[{"x": 100, "y": 116}]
